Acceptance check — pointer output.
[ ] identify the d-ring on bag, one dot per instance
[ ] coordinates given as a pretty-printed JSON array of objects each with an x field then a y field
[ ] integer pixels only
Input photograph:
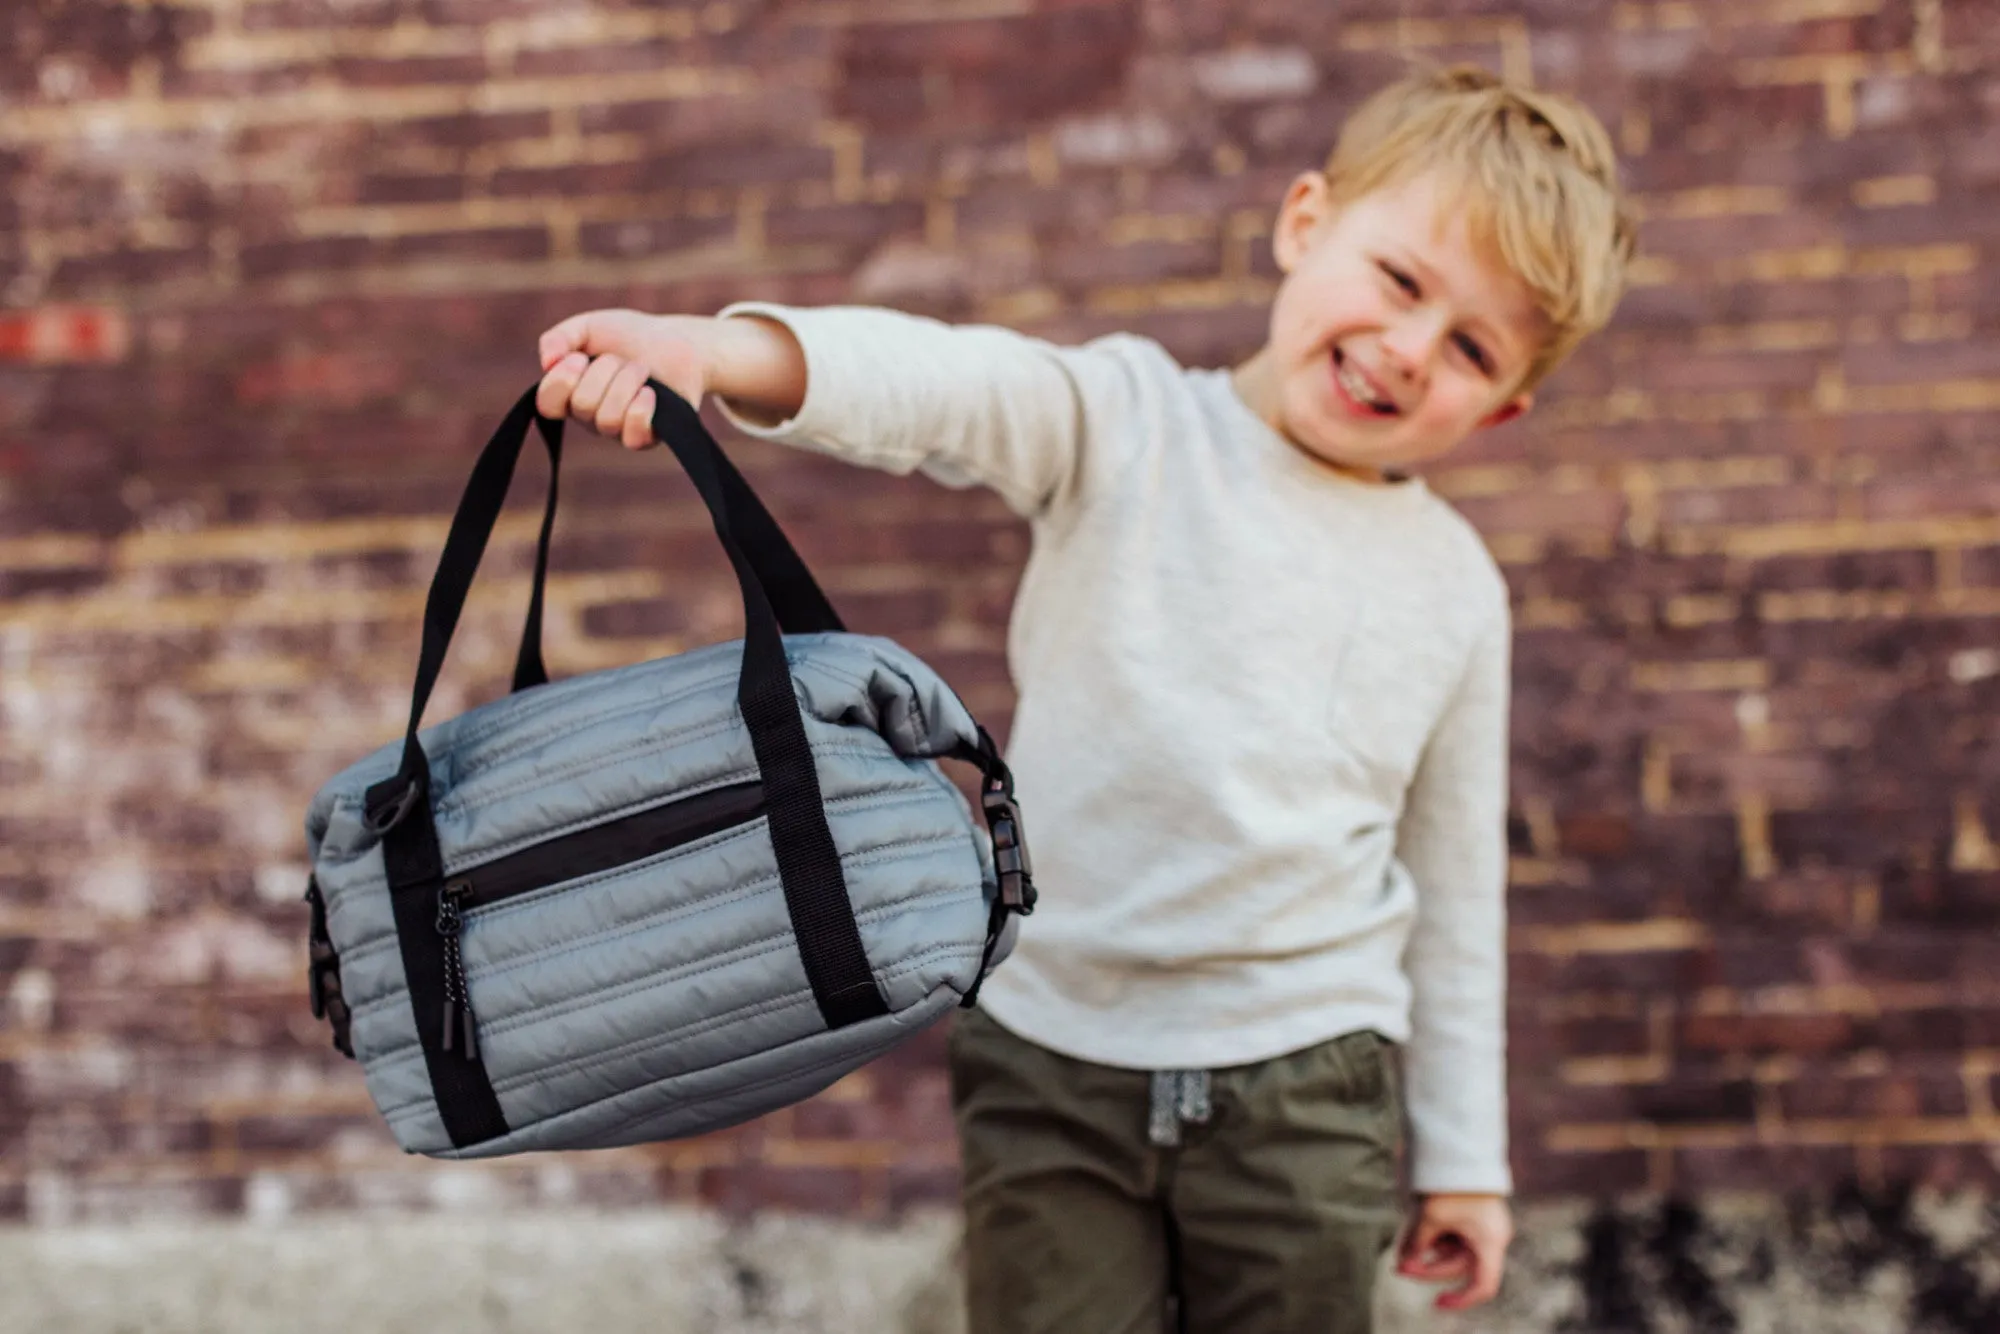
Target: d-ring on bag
[{"x": 657, "y": 900}]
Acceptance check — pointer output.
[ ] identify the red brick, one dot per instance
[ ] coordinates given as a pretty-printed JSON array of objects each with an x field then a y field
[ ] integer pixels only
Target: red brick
[
  {"x": 58, "y": 334},
  {"x": 1937, "y": 1093},
  {"x": 410, "y": 188},
  {"x": 1603, "y": 1174},
  {"x": 922, "y": 1187},
  {"x": 279, "y": 15},
  {"x": 1939, "y": 1030},
  {"x": 277, "y": 258},
  {"x": 1681, "y": 1100},
  {"x": 238, "y": 81},
  {"x": 1606, "y": 1037},
  {"x": 863, "y": 225},
  {"x": 1005, "y": 69},
  {"x": 1787, "y": 503},
  {"x": 1981, "y": 566},
  {"x": 1945, "y": 222},
  {"x": 289, "y": 1134},
  {"x": 13, "y": 1111},
  {"x": 1094, "y": 264},
  {"x": 1916, "y": 363},
  {"x": 402, "y": 72},
  {"x": 1726, "y": 237},
  {"x": 628, "y": 57},
  {"x": 1778, "y": 1167},
  {"x": 894, "y": 614},
  {"x": 1767, "y": 1034},
  {"x": 503, "y": 243},
  {"x": 653, "y": 236},
  {"x": 1949, "y": 1169},
  {"x": 1707, "y": 115},
  {"x": 627, "y": 619},
  {"x": 771, "y": 162},
  {"x": 1847, "y": 571},
  {"x": 466, "y": 129}
]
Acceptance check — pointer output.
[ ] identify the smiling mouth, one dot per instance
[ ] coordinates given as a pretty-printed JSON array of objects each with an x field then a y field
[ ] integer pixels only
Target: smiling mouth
[{"x": 1356, "y": 386}]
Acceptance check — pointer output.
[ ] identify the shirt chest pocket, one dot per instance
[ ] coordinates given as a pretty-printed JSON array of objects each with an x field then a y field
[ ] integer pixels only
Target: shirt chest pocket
[{"x": 1398, "y": 672}]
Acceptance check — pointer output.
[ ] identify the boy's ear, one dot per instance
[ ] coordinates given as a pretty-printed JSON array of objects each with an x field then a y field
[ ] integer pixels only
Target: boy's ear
[
  {"x": 1508, "y": 411},
  {"x": 1308, "y": 204}
]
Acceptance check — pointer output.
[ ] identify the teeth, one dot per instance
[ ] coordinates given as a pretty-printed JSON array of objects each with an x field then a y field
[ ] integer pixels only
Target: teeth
[{"x": 1352, "y": 381}]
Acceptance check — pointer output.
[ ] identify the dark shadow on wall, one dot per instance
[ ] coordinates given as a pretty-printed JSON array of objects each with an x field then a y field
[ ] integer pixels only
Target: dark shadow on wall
[{"x": 1671, "y": 1266}]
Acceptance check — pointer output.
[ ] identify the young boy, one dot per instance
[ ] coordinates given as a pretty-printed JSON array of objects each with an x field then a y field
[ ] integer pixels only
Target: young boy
[{"x": 1262, "y": 721}]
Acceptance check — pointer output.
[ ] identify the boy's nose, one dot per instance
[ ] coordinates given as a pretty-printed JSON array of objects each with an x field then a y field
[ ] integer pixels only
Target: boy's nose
[
  {"x": 1407, "y": 358},
  {"x": 1409, "y": 346}
]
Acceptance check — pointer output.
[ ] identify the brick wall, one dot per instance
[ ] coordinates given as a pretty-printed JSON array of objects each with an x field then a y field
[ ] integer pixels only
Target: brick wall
[{"x": 274, "y": 267}]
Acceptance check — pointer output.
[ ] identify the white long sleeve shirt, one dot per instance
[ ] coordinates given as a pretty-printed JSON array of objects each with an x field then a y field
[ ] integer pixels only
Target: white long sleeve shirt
[{"x": 1260, "y": 739}]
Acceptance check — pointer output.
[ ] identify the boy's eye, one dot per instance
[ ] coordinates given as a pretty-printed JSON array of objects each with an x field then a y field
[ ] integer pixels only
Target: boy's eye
[
  {"x": 1474, "y": 352},
  {"x": 1400, "y": 278}
]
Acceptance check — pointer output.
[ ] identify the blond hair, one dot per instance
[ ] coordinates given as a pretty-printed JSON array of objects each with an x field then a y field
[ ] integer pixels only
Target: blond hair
[{"x": 1534, "y": 173}]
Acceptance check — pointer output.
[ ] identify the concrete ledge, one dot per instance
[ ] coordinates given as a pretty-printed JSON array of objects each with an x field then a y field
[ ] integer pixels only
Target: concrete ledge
[{"x": 1843, "y": 1265}]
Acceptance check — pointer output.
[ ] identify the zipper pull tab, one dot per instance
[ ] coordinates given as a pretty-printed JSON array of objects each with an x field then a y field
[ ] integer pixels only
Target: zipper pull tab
[{"x": 457, "y": 1018}]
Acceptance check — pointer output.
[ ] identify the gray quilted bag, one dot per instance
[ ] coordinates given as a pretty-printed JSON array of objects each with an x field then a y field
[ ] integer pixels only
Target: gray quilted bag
[{"x": 654, "y": 901}]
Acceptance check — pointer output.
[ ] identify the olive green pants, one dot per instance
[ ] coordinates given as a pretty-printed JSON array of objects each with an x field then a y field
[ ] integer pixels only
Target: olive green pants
[{"x": 1268, "y": 1217}]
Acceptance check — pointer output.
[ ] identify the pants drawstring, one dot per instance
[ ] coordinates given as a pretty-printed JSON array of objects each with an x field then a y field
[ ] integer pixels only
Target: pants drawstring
[{"x": 1179, "y": 1097}]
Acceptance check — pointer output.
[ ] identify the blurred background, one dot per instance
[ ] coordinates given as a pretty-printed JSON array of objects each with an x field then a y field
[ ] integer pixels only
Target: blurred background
[{"x": 271, "y": 270}]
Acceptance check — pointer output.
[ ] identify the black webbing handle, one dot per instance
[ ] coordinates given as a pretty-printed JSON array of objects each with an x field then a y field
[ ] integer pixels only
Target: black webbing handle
[
  {"x": 529, "y": 670},
  {"x": 808, "y": 863},
  {"x": 793, "y": 595},
  {"x": 464, "y": 545}
]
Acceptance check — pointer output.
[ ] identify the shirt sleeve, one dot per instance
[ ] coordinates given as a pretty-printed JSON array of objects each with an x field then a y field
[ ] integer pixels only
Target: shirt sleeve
[
  {"x": 1453, "y": 840},
  {"x": 965, "y": 404}
]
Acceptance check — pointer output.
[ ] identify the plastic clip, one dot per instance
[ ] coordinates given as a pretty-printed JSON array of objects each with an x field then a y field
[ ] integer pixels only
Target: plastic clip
[{"x": 1010, "y": 851}]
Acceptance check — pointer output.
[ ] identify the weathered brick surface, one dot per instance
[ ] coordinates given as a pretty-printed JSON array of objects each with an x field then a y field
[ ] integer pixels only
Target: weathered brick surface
[{"x": 273, "y": 268}]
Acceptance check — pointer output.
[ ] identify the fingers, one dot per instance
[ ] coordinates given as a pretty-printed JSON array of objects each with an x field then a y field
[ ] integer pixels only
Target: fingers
[
  {"x": 592, "y": 387},
  {"x": 1460, "y": 1243},
  {"x": 559, "y": 381},
  {"x": 1432, "y": 1254},
  {"x": 589, "y": 332},
  {"x": 637, "y": 429},
  {"x": 615, "y": 405},
  {"x": 608, "y": 393},
  {"x": 595, "y": 367},
  {"x": 571, "y": 335},
  {"x": 1483, "y": 1283}
]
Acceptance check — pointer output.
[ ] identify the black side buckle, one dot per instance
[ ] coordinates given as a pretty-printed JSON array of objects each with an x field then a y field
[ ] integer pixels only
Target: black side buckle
[
  {"x": 384, "y": 813},
  {"x": 1010, "y": 851},
  {"x": 323, "y": 974}
]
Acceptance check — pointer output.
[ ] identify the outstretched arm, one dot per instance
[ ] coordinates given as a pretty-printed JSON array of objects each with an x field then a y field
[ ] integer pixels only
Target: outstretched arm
[{"x": 967, "y": 404}]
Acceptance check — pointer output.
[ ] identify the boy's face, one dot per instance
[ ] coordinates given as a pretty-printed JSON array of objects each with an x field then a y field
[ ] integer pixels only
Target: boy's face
[{"x": 1394, "y": 335}]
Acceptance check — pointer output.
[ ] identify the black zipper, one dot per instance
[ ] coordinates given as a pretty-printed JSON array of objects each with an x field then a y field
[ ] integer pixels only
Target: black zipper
[{"x": 604, "y": 847}]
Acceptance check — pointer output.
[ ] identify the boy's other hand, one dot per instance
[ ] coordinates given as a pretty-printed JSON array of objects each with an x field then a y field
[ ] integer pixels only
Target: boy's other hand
[
  {"x": 1460, "y": 1239},
  {"x": 595, "y": 367}
]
